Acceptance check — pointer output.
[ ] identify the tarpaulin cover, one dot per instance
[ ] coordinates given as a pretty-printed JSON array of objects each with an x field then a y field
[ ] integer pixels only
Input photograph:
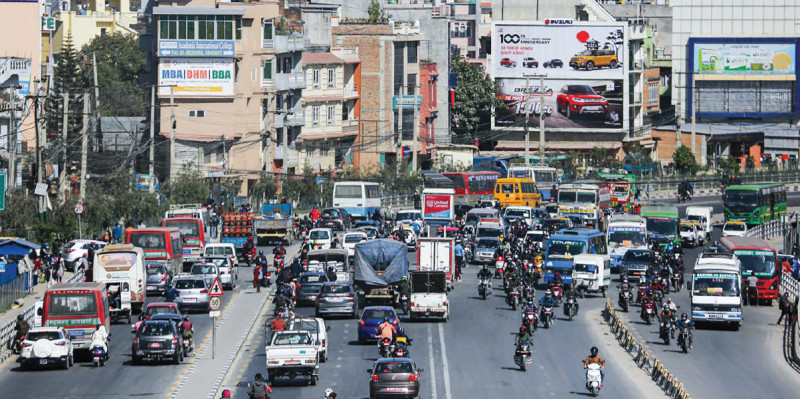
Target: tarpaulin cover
[{"x": 389, "y": 258}]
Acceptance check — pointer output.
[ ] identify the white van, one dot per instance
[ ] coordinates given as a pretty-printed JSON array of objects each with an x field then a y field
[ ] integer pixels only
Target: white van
[
  {"x": 701, "y": 214},
  {"x": 222, "y": 249}
]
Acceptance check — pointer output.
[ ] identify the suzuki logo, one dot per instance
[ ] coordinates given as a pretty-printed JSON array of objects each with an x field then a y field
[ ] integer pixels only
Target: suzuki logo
[{"x": 509, "y": 38}]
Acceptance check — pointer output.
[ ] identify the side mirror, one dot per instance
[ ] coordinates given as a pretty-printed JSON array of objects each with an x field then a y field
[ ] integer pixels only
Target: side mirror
[
  {"x": 419, "y": 371},
  {"x": 327, "y": 328}
]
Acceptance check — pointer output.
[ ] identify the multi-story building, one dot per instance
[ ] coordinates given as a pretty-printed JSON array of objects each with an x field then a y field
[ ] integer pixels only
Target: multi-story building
[
  {"x": 83, "y": 21},
  {"x": 470, "y": 27},
  {"x": 288, "y": 42}
]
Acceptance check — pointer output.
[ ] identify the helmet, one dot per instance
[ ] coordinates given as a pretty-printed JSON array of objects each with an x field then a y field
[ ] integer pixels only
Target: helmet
[
  {"x": 328, "y": 392},
  {"x": 185, "y": 317},
  {"x": 593, "y": 351},
  {"x": 20, "y": 317},
  {"x": 530, "y": 301},
  {"x": 405, "y": 278},
  {"x": 261, "y": 252},
  {"x": 669, "y": 300},
  {"x": 385, "y": 319},
  {"x": 684, "y": 317},
  {"x": 666, "y": 306},
  {"x": 624, "y": 279},
  {"x": 523, "y": 328},
  {"x": 548, "y": 293}
]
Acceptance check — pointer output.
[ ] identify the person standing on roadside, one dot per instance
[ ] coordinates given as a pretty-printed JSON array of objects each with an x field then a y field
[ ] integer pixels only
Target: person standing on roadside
[{"x": 785, "y": 306}]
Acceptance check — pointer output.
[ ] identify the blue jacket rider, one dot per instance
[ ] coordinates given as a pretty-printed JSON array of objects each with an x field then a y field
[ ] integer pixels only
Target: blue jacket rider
[{"x": 548, "y": 300}]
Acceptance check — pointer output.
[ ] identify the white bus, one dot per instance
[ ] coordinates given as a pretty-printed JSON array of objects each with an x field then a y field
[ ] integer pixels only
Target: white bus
[
  {"x": 121, "y": 268},
  {"x": 545, "y": 177},
  {"x": 716, "y": 290},
  {"x": 625, "y": 232},
  {"x": 360, "y": 199}
]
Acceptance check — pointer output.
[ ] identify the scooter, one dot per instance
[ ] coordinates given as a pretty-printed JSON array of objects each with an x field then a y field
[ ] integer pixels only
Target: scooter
[
  {"x": 188, "y": 346},
  {"x": 522, "y": 355},
  {"x": 594, "y": 379},
  {"x": 99, "y": 356},
  {"x": 648, "y": 312},
  {"x": 512, "y": 299},
  {"x": 529, "y": 319},
  {"x": 640, "y": 293},
  {"x": 499, "y": 264}
]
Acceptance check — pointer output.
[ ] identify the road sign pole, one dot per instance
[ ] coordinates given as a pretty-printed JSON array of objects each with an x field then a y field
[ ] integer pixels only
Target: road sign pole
[
  {"x": 213, "y": 336},
  {"x": 80, "y": 227}
]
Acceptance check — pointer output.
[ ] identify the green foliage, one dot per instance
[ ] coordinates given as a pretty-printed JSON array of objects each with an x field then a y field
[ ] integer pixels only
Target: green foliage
[
  {"x": 119, "y": 62},
  {"x": 188, "y": 187},
  {"x": 301, "y": 189},
  {"x": 600, "y": 158},
  {"x": 67, "y": 80},
  {"x": 375, "y": 11},
  {"x": 684, "y": 160},
  {"x": 730, "y": 165},
  {"x": 474, "y": 100},
  {"x": 264, "y": 190}
]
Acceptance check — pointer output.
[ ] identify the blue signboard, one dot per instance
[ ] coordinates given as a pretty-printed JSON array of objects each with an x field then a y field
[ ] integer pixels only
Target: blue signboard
[
  {"x": 196, "y": 48},
  {"x": 406, "y": 102}
]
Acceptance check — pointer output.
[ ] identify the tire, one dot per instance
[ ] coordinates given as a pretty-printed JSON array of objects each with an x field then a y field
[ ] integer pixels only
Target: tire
[
  {"x": 313, "y": 381},
  {"x": 71, "y": 360},
  {"x": 624, "y": 306},
  {"x": 590, "y": 66},
  {"x": 483, "y": 295},
  {"x": 65, "y": 366},
  {"x": 684, "y": 347},
  {"x": 271, "y": 380},
  {"x": 570, "y": 115},
  {"x": 612, "y": 64},
  {"x": 177, "y": 358},
  {"x": 136, "y": 360},
  {"x": 547, "y": 323},
  {"x": 513, "y": 305},
  {"x": 361, "y": 341},
  {"x": 605, "y": 292},
  {"x": 522, "y": 364},
  {"x": 570, "y": 315}
]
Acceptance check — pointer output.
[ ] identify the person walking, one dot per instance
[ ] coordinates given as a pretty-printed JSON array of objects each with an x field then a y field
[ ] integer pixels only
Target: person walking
[
  {"x": 259, "y": 389},
  {"x": 60, "y": 271},
  {"x": 785, "y": 307}
]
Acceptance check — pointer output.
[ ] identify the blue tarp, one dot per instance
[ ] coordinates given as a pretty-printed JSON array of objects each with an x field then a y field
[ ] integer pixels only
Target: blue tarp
[
  {"x": 384, "y": 256},
  {"x": 16, "y": 246}
]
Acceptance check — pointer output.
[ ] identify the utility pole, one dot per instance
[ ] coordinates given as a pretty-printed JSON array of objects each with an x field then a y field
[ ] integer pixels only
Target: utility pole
[
  {"x": 541, "y": 114},
  {"x": 171, "y": 131},
  {"x": 84, "y": 144},
  {"x": 96, "y": 104},
  {"x": 527, "y": 116},
  {"x": 152, "y": 170},
  {"x": 224, "y": 155},
  {"x": 64, "y": 140},
  {"x": 12, "y": 143},
  {"x": 130, "y": 149},
  {"x": 415, "y": 129},
  {"x": 678, "y": 116},
  {"x": 694, "y": 115},
  {"x": 285, "y": 133}
]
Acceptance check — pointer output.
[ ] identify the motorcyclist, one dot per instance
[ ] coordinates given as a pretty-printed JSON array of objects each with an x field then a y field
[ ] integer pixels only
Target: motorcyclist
[
  {"x": 279, "y": 251},
  {"x": 667, "y": 314},
  {"x": 684, "y": 322},
  {"x": 171, "y": 294},
  {"x": 548, "y": 300},
  {"x": 512, "y": 273},
  {"x": 305, "y": 247},
  {"x": 529, "y": 306},
  {"x": 281, "y": 302},
  {"x": 571, "y": 292},
  {"x": 648, "y": 300},
  {"x": 187, "y": 330},
  {"x": 484, "y": 273},
  {"x": 261, "y": 259},
  {"x": 624, "y": 285},
  {"x": 594, "y": 358},
  {"x": 386, "y": 330},
  {"x": 403, "y": 287},
  {"x": 523, "y": 335},
  {"x": 671, "y": 305},
  {"x": 100, "y": 338},
  {"x": 557, "y": 280},
  {"x": 21, "y": 327}
]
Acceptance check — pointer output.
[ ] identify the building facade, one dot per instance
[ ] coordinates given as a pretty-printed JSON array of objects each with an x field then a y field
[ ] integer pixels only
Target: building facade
[{"x": 83, "y": 21}]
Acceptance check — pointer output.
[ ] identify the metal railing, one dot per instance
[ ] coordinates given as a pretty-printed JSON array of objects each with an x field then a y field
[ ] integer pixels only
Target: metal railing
[
  {"x": 11, "y": 291},
  {"x": 398, "y": 201},
  {"x": 770, "y": 229},
  {"x": 642, "y": 357}
]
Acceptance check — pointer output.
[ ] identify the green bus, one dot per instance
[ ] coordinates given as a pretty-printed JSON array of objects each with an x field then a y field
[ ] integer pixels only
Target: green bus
[
  {"x": 755, "y": 203},
  {"x": 661, "y": 220}
]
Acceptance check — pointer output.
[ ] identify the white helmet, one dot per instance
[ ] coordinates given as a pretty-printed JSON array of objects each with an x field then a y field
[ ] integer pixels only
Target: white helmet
[{"x": 328, "y": 392}]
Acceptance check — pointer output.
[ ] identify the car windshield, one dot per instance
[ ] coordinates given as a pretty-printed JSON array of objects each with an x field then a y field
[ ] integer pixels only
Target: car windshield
[
  {"x": 394, "y": 367},
  {"x": 582, "y": 267},
  {"x": 353, "y": 238},
  {"x": 155, "y": 329},
  {"x": 313, "y": 278},
  {"x": 407, "y": 215},
  {"x": 371, "y": 233},
  {"x": 204, "y": 269},
  {"x": 319, "y": 235},
  {"x": 220, "y": 262},
  {"x": 696, "y": 217},
  {"x": 620, "y": 189},
  {"x": 565, "y": 248},
  {"x": 687, "y": 227},
  {"x": 626, "y": 238},
  {"x": 716, "y": 284},
  {"x": 638, "y": 256},
  {"x": 520, "y": 213},
  {"x": 488, "y": 232},
  {"x": 378, "y": 314},
  {"x": 760, "y": 262},
  {"x": 740, "y": 198},
  {"x": 330, "y": 214},
  {"x": 188, "y": 228},
  {"x": 154, "y": 310},
  {"x": 153, "y": 270},
  {"x": 735, "y": 227},
  {"x": 493, "y": 244},
  {"x": 292, "y": 339},
  {"x": 189, "y": 284},
  {"x": 335, "y": 289},
  {"x": 662, "y": 225},
  {"x": 48, "y": 335},
  {"x": 580, "y": 89}
]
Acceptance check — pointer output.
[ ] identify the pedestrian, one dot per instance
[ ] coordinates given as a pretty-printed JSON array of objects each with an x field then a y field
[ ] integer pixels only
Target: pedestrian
[
  {"x": 257, "y": 277},
  {"x": 752, "y": 289},
  {"x": 60, "y": 271},
  {"x": 48, "y": 274},
  {"x": 259, "y": 389},
  {"x": 459, "y": 254},
  {"x": 116, "y": 233},
  {"x": 785, "y": 307},
  {"x": 141, "y": 224}
]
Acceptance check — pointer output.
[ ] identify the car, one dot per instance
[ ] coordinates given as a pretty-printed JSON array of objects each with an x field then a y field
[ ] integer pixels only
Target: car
[
  {"x": 734, "y": 228},
  {"x": 157, "y": 340},
  {"x": 158, "y": 277},
  {"x": 318, "y": 330},
  {"x": 554, "y": 63},
  {"x": 154, "y": 309},
  {"x": 192, "y": 292},
  {"x": 320, "y": 238},
  {"x": 74, "y": 250},
  {"x": 557, "y": 223},
  {"x": 336, "y": 298},
  {"x": 226, "y": 249},
  {"x": 371, "y": 232},
  {"x": 44, "y": 346},
  {"x": 635, "y": 262},
  {"x": 574, "y": 100},
  {"x": 207, "y": 270},
  {"x": 308, "y": 286},
  {"x": 690, "y": 235},
  {"x": 591, "y": 59},
  {"x": 394, "y": 377},
  {"x": 371, "y": 318},
  {"x": 335, "y": 219},
  {"x": 530, "y": 62},
  {"x": 506, "y": 62},
  {"x": 406, "y": 235},
  {"x": 349, "y": 241},
  {"x": 228, "y": 274},
  {"x": 485, "y": 249}
]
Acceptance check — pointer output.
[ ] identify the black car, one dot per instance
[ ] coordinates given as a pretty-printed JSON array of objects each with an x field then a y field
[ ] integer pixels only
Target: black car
[
  {"x": 636, "y": 262},
  {"x": 335, "y": 219},
  {"x": 554, "y": 63},
  {"x": 157, "y": 340},
  {"x": 308, "y": 286}
]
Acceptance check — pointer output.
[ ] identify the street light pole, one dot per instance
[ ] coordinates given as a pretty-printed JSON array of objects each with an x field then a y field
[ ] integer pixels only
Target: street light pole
[{"x": 527, "y": 117}]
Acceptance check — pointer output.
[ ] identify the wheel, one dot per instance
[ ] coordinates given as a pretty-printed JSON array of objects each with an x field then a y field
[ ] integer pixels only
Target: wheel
[
  {"x": 624, "y": 306},
  {"x": 313, "y": 380},
  {"x": 271, "y": 380},
  {"x": 590, "y": 66},
  {"x": 177, "y": 358},
  {"x": 605, "y": 293},
  {"x": 71, "y": 360},
  {"x": 547, "y": 323},
  {"x": 513, "y": 306},
  {"x": 570, "y": 315},
  {"x": 684, "y": 347},
  {"x": 522, "y": 364},
  {"x": 570, "y": 115},
  {"x": 559, "y": 109},
  {"x": 325, "y": 358},
  {"x": 612, "y": 64},
  {"x": 128, "y": 318},
  {"x": 361, "y": 341},
  {"x": 136, "y": 359},
  {"x": 65, "y": 366}
]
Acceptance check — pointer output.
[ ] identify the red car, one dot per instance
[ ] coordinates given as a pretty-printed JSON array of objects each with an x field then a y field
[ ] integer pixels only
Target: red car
[
  {"x": 574, "y": 100},
  {"x": 155, "y": 308},
  {"x": 506, "y": 62}
]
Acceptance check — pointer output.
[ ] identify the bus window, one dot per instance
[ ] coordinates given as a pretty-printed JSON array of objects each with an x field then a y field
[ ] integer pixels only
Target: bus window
[
  {"x": 507, "y": 188},
  {"x": 373, "y": 191},
  {"x": 343, "y": 191},
  {"x": 177, "y": 246}
]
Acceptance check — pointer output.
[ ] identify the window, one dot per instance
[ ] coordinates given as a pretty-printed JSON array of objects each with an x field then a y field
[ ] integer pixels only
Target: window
[
  {"x": 411, "y": 84},
  {"x": 205, "y": 26},
  {"x": 315, "y": 115},
  {"x": 267, "y": 30},
  {"x": 238, "y": 28},
  {"x": 331, "y": 114},
  {"x": 168, "y": 27},
  {"x": 325, "y": 146},
  {"x": 398, "y": 67},
  {"x": 412, "y": 52},
  {"x": 652, "y": 94},
  {"x": 331, "y": 77},
  {"x": 197, "y": 113},
  {"x": 102, "y": 31},
  {"x": 408, "y": 124},
  {"x": 310, "y": 149},
  {"x": 267, "y": 71},
  {"x": 461, "y": 29},
  {"x": 315, "y": 77},
  {"x": 219, "y": 27}
]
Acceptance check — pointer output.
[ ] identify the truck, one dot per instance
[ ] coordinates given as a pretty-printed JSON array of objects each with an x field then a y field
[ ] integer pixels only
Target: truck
[
  {"x": 270, "y": 228},
  {"x": 237, "y": 227},
  {"x": 292, "y": 354},
  {"x": 588, "y": 200},
  {"x": 437, "y": 254},
  {"x": 121, "y": 268},
  {"x": 378, "y": 269},
  {"x": 715, "y": 290},
  {"x": 429, "y": 294},
  {"x": 703, "y": 215}
]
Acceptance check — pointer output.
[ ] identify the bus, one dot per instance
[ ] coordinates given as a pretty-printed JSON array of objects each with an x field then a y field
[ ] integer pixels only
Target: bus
[
  {"x": 360, "y": 199},
  {"x": 564, "y": 245},
  {"x": 755, "y": 203},
  {"x": 193, "y": 235},
  {"x": 164, "y": 243},
  {"x": 625, "y": 232},
  {"x": 79, "y": 308},
  {"x": 545, "y": 178},
  {"x": 188, "y": 211},
  {"x": 121, "y": 268},
  {"x": 661, "y": 220},
  {"x": 716, "y": 290},
  {"x": 519, "y": 192},
  {"x": 587, "y": 200},
  {"x": 472, "y": 186},
  {"x": 758, "y": 257}
]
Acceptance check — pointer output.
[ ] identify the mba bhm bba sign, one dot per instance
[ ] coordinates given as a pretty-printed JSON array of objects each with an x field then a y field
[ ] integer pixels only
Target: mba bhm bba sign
[{"x": 196, "y": 77}]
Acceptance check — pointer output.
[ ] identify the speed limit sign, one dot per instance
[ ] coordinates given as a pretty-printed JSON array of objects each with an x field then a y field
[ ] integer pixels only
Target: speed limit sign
[
  {"x": 79, "y": 209},
  {"x": 215, "y": 303}
]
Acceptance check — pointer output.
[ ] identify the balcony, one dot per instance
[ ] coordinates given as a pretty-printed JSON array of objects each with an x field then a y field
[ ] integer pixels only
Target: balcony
[
  {"x": 290, "y": 81},
  {"x": 350, "y": 126},
  {"x": 350, "y": 91},
  {"x": 288, "y": 43},
  {"x": 296, "y": 118}
]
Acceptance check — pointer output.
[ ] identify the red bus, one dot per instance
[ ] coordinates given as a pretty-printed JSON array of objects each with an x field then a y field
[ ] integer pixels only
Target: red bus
[
  {"x": 758, "y": 257},
  {"x": 79, "y": 308},
  {"x": 164, "y": 243},
  {"x": 471, "y": 186},
  {"x": 193, "y": 234}
]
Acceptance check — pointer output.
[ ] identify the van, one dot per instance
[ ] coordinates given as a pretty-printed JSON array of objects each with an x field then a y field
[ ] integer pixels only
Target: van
[
  {"x": 701, "y": 214},
  {"x": 226, "y": 249}
]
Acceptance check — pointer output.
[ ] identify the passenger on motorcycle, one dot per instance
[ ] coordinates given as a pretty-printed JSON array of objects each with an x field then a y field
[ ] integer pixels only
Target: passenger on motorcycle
[
  {"x": 594, "y": 358},
  {"x": 100, "y": 338},
  {"x": 666, "y": 313},
  {"x": 624, "y": 285},
  {"x": 279, "y": 251},
  {"x": 187, "y": 330},
  {"x": 672, "y": 307},
  {"x": 557, "y": 280},
  {"x": 529, "y": 306},
  {"x": 386, "y": 330},
  {"x": 684, "y": 322}
]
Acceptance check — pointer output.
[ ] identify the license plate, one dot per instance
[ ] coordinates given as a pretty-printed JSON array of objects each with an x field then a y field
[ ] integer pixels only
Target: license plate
[
  {"x": 187, "y": 251},
  {"x": 592, "y": 108},
  {"x": 190, "y": 300},
  {"x": 714, "y": 316},
  {"x": 335, "y": 299},
  {"x": 155, "y": 344},
  {"x": 390, "y": 389},
  {"x": 292, "y": 363},
  {"x": 43, "y": 361},
  {"x": 152, "y": 287}
]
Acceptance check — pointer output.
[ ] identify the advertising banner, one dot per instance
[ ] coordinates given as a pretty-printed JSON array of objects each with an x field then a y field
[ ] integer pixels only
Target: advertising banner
[
  {"x": 196, "y": 48},
  {"x": 196, "y": 77},
  {"x": 438, "y": 206},
  {"x": 741, "y": 58},
  {"x": 566, "y": 104}
]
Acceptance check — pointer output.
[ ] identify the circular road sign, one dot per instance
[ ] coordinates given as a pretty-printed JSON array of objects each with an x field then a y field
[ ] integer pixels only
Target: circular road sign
[
  {"x": 215, "y": 303},
  {"x": 79, "y": 209}
]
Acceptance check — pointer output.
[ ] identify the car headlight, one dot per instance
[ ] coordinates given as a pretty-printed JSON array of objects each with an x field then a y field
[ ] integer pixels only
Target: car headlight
[
  {"x": 579, "y": 100},
  {"x": 774, "y": 286}
]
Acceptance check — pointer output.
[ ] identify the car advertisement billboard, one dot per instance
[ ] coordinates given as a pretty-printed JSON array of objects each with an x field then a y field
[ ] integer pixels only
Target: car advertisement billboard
[
  {"x": 193, "y": 77},
  {"x": 584, "y": 65},
  {"x": 437, "y": 206},
  {"x": 744, "y": 58}
]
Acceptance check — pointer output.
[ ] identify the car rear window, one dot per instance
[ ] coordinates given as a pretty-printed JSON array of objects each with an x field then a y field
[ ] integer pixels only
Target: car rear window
[
  {"x": 189, "y": 284},
  {"x": 218, "y": 251},
  {"x": 353, "y": 238},
  {"x": 292, "y": 339},
  {"x": 154, "y": 269},
  {"x": 203, "y": 269},
  {"x": 69, "y": 245},
  {"x": 313, "y": 278},
  {"x": 335, "y": 289},
  {"x": 394, "y": 367},
  {"x": 154, "y": 310},
  {"x": 48, "y": 335},
  {"x": 156, "y": 329},
  {"x": 378, "y": 314}
]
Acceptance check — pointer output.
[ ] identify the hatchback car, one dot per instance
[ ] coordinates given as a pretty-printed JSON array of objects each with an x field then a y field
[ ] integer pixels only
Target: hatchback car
[
  {"x": 228, "y": 274},
  {"x": 192, "y": 292},
  {"x": 508, "y": 63},
  {"x": 158, "y": 277},
  {"x": 156, "y": 308},
  {"x": 335, "y": 219},
  {"x": 308, "y": 286},
  {"x": 591, "y": 59},
  {"x": 554, "y": 63},
  {"x": 157, "y": 340},
  {"x": 349, "y": 241},
  {"x": 336, "y": 298},
  {"x": 575, "y": 100},
  {"x": 371, "y": 318},
  {"x": 74, "y": 250},
  {"x": 208, "y": 271},
  {"x": 394, "y": 378},
  {"x": 734, "y": 228},
  {"x": 45, "y": 346}
]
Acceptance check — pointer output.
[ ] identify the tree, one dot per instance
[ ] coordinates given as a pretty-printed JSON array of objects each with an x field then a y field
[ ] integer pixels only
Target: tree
[
  {"x": 68, "y": 81},
  {"x": 730, "y": 165},
  {"x": 375, "y": 12},
  {"x": 302, "y": 188},
  {"x": 188, "y": 187},
  {"x": 264, "y": 190},
  {"x": 684, "y": 160},
  {"x": 475, "y": 101},
  {"x": 119, "y": 62}
]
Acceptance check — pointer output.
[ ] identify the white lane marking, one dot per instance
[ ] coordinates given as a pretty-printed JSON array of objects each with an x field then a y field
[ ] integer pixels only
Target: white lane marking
[
  {"x": 432, "y": 372},
  {"x": 445, "y": 370}
]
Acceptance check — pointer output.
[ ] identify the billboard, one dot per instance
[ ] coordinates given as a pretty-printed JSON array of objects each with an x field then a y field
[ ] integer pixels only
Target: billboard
[
  {"x": 585, "y": 70},
  {"x": 196, "y": 48},
  {"x": 196, "y": 77},
  {"x": 745, "y": 58},
  {"x": 437, "y": 206}
]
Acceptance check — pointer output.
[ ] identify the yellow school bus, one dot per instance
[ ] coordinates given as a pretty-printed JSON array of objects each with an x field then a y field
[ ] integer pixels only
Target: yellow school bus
[{"x": 516, "y": 192}]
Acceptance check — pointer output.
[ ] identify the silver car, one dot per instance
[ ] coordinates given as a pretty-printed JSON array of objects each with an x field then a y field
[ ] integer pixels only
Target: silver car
[
  {"x": 227, "y": 273},
  {"x": 192, "y": 292},
  {"x": 74, "y": 250},
  {"x": 208, "y": 271},
  {"x": 485, "y": 249},
  {"x": 337, "y": 298},
  {"x": 158, "y": 277}
]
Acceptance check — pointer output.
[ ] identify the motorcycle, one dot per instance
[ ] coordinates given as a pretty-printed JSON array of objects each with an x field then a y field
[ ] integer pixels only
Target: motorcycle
[
  {"x": 677, "y": 281},
  {"x": 512, "y": 298},
  {"x": 188, "y": 346},
  {"x": 558, "y": 292},
  {"x": 522, "y": 355},
  {"x": 499, "y": 264},
  {"x": 648, "y": 312},
  {"x": 684, "y": 196},
  {"x": 529, "y": 319},
  {"x": 277, "y": 262},
  {"x": 99, "y": 356},
  {"x": 404, "y": 304},
  {"x": 594, "y": 379},
  {"x": 665, "y": 330},
  {"x": 528, "y": 292},
  {"x": 385, "y": 347},
  {"x": 640, "y": 293},
  {"x": 401, "y": 347},
  {"x": 658, "y": 295},
  {"x": 547, "y": 316},
  {"x": 570, "y": 308},
  {"x": 624, "y": 299},
  {"x": 484, "y": 288},
  {"x": 684, "y": 339}
]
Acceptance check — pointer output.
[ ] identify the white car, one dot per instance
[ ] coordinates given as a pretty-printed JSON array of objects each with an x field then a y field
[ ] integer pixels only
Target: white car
[
  {"x": 320, "y": 238},
  {"x": 734, "y": 228},
  {"x": 44, "y": 346},
  {"x": 689, "y": 235},
  {"x": 228, "y": 274},
  {"x": 74, "y": 250},
  {"x": 349, "y": 241},
  {"x": 222, "y": 249}
]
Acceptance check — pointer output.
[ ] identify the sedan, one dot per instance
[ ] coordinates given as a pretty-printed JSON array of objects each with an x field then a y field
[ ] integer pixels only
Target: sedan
[
  {"x": 337, "y": 297},
  {"x": 349, "y": 241},
  {"x": 157, "y": 340},
  {"x": 308, "y": 286},
  {"x": 394, "y": 378},
  {"x": 636, "y": 262},
  {"x": 371, "y": 318},
  {"x": 44, "y": 346},
  {"x": 158, "y": 277},
  {"x": 485, "y": 249}
]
